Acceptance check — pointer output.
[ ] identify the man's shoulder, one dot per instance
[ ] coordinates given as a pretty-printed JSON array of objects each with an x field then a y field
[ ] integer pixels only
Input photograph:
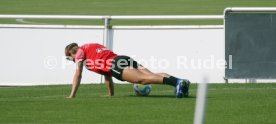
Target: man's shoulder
[{"x": 91, "y": 45}]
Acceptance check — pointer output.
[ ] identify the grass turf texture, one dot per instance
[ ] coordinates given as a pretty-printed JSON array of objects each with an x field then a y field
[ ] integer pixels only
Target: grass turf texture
[
  {"x": 227, "y": 104},
  {"x": 125, "y": 7}
]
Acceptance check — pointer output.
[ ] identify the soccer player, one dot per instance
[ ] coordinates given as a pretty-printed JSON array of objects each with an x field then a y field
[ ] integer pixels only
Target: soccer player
[{"x": 101, "y": 60}]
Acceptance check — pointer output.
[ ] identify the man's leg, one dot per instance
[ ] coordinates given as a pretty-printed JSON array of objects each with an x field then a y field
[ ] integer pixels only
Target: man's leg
[
  {"x": 167, "y": 79},
  {"x": 136, "y": 76},
  {"x": 146, "y": 71},
  {"x": 144, "y": 76}
]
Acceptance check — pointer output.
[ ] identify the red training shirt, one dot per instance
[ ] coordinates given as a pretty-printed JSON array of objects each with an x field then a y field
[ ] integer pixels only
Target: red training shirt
[{"x": 96, "y": 58}]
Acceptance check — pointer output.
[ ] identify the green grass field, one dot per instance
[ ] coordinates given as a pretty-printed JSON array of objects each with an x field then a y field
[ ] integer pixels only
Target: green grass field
[
  {"x": 125, "y": 7},
  {"x": 227, "y": 104}
]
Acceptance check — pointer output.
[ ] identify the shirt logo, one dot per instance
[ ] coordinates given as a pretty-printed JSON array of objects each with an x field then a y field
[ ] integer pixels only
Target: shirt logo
[{"x": 99, "y": 50}]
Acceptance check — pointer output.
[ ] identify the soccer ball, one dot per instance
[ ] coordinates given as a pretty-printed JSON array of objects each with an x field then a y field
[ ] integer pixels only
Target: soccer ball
[{"x": 142, "y": 90}]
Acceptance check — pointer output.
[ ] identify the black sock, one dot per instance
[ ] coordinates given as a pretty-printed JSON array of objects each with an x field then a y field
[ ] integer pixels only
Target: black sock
[{"x": 170, "y": 81}]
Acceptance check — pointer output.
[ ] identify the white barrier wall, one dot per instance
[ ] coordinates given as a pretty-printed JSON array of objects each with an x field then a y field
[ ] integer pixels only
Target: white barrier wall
[
  {"x": 185, "y": 53},
  {"x": 34, "y": 56}
]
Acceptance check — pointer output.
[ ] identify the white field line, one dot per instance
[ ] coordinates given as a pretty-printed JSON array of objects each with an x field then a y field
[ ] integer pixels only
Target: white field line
[
  {"x": 29, "y": 22},
  {"x": 200, "y": 106}
]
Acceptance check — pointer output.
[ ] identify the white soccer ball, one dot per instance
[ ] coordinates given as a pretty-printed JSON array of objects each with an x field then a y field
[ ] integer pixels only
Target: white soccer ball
[{"x": 142, "y": 90}]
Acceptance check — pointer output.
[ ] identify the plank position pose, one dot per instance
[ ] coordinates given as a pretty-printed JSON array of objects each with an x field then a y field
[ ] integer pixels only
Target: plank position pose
[{"x": 101, "y": 60}]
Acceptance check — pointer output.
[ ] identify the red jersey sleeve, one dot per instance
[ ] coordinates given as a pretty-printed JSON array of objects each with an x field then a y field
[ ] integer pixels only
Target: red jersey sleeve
[{"x": 80, "y": 56}]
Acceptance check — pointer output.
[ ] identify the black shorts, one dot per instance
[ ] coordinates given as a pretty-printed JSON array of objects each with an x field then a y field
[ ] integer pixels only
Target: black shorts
[{"x": 120, "y": 63}]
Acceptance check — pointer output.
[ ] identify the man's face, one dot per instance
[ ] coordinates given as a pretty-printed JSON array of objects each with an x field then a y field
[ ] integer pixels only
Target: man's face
[
  {"x": 72, "y": 55},
  {"x": 70, "y": 58}
]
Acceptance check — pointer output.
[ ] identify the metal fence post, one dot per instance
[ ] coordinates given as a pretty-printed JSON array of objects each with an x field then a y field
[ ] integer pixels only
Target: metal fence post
[
  {"x": 106, "y": 36},
  {"x": 106, "y": 32}
]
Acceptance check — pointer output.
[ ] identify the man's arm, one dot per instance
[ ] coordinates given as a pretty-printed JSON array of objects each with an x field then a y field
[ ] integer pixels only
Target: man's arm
[
  {"x": 76, "y": 80},
  {"x": 109, "y": 84}
]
